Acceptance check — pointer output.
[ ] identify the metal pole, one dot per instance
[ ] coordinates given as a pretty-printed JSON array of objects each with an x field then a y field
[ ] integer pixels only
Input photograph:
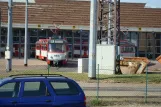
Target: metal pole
[
  {"x": 0, "y": 32},
  {"x": 98, "y": 83},
  {"x": 101, "y": 23},
  {"x": 92, "y": 40},
  {"x": 26, "y": 35},
  {"x": 146, "y": 88},
  {"x": 72, "y": 44},
  {"x": 9, "y": 37},
  {"x": 118, "y": 35},
  {"x": 115, "y": 32},
  {"x": 109, "y": 22},
  {"x": 115, "y": 21},
  {"x": 48, "y": 68},
  {"x": 81, "y": 43}
]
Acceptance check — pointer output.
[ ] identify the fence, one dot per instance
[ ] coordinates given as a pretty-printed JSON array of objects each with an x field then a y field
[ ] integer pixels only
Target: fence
[{"x": 105, "y": 90}]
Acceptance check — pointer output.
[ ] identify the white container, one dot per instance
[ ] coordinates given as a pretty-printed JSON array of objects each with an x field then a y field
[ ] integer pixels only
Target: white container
[{"x": 82, "y": 65}]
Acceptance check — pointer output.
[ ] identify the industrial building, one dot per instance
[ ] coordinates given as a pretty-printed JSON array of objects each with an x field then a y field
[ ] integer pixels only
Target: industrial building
[{"x": 139, "y": 25}]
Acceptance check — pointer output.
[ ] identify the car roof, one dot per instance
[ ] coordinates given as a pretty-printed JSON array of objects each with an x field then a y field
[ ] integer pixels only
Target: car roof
[{"x": 34, "y": 77}]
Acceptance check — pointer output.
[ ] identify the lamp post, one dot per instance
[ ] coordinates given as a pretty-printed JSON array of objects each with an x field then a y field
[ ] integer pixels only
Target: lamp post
[
  {"x": 9, "y": 38},
  {"x": 26, "y": 35},
  {"x": 92, "y": 40}
]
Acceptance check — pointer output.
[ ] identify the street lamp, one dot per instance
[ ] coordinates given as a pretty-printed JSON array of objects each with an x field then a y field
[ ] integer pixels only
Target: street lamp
[
  {"x": 8, "y": 53},
  {"x": 26, "y": 35}
]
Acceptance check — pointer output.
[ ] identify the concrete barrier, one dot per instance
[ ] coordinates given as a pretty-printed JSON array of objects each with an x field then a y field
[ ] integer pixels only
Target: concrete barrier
[{"x": 82, "y": 65}]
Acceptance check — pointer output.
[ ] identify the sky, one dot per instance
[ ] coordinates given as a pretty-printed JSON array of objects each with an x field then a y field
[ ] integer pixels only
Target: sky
[
  {"x": 30, "y": 1},
  {"x": 149, "y": 3}
]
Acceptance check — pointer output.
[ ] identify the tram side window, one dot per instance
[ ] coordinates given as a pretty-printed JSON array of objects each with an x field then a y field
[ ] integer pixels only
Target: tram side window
[
  {"x": 38, "y": 47},
  {"x": 127, "y": 49},
  {"x": 44, "y": 47}
]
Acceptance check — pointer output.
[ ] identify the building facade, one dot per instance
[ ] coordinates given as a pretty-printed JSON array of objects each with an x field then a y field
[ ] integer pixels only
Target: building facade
[{"x": 140, "y": 26}]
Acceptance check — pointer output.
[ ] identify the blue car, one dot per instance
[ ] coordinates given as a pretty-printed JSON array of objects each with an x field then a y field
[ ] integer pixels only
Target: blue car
[{"x": 40, "y": 91}]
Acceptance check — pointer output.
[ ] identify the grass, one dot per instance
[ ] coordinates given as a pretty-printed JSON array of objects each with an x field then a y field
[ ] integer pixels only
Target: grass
[
  {"x": 123, "y": 102},
  {"x": 152, "y": 78}
]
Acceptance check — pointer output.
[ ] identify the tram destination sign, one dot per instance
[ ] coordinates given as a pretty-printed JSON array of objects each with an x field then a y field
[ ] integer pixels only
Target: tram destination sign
[{"x": 56, "y": 41}]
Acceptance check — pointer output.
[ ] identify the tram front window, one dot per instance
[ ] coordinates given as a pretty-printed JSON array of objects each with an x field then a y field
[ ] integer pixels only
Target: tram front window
[{"x": 56, "y": 47}]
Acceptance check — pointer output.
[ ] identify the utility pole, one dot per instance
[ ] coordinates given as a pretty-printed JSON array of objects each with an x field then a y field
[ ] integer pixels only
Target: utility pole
[
  {"x": 115, "y": 22},
  {"x": 0, "y": 32},
  {"x": 9, "y": 38},
  {"x": 106, "y": 21},
  {"x": 26, "y": 35},
  {"x": 101, "y": 22},
  {"x": 92, "y": 40},
  {"x": 109, "y": 21},
  {"x": 118, "y": 36}
]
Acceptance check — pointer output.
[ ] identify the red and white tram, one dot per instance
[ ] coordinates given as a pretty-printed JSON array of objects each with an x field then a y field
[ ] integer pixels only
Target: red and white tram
[
  {"x": 127, "y": 49},
  {"x": 53, "y": 50}
]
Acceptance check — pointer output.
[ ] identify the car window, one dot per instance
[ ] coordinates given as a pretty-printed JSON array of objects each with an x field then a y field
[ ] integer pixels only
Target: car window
[
  {"x": 9, "y": 90},
  {"x": 34, "y": 89},
  {"x": 64, "y": 88}
]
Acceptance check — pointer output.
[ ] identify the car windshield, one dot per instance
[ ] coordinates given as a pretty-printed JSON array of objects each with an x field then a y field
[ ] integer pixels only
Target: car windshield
[{"x": 56, "y": 47}]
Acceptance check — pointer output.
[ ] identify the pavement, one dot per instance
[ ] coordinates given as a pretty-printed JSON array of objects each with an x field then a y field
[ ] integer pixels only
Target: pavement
[{"x": 35, "y": 64}]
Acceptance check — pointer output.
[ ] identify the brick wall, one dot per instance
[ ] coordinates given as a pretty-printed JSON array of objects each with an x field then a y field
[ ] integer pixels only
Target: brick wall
[{"x": 78, "y": 13}]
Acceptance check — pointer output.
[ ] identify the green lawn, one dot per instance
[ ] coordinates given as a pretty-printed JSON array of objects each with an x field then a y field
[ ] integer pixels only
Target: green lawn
[
  {"x": 123, "y": 102},
  {"x": 152, "y": 78}
]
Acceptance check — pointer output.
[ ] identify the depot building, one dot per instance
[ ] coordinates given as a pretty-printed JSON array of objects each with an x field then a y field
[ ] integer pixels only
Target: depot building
[{"x": 73, "y": 18}]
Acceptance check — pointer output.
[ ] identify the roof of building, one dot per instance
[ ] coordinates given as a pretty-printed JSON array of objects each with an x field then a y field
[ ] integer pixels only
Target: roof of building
[{"x": 78, "y": 13}]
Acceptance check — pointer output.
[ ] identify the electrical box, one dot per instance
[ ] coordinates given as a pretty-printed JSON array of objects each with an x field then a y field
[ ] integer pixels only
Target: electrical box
[
  {"x": 7, "y": 55},
  {"x": 105, "y": 58}
]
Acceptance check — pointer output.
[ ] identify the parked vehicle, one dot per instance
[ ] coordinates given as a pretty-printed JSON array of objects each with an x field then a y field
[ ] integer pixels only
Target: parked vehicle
[
  {"x": 53, "y": 50},
  {"x": 127, "y": 49},
  {"x": 40, "y": 91}
]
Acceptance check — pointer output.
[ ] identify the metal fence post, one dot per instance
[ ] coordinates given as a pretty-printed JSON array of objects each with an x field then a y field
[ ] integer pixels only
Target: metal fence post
[
  {"x": 146, "y": 89},
  {"x": 98, "y": 83},
  {"x": 48, "y": 68}
]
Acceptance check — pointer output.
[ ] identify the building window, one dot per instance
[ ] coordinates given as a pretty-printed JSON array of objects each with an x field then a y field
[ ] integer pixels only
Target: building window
[
  {"x": 142, "y": 44},
  {"x": 42, "y": 33},
  {"x": 15, "y": 32},
  {"x": 68, "y": 33},
  {"x": 125, "y": 35},
  {"x": 33, "y": 32},
  {"x": 33, "y": 39},
  {"x": 4, "y": 31}
]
